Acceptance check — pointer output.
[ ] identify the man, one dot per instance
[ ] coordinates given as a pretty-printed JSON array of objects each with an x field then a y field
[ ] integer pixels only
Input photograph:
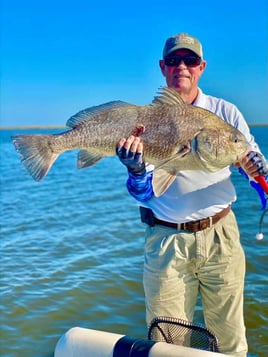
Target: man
[{"x": 192, "y": 240}]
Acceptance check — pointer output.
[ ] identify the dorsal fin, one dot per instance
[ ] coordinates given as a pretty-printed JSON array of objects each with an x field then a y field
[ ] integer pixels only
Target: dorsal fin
[
  {"x": 168, "y": 96},
  {"x": 89, "y": 112}
]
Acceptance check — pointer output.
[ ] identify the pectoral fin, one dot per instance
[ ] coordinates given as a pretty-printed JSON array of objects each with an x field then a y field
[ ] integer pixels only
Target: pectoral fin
[
  {"x": 87, "y": 158},
  {"x": 165, "y": 174},
  {"x": 161, "y": 181}
]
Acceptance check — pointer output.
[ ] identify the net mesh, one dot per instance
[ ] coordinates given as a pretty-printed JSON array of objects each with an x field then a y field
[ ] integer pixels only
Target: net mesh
[{"x": 183, "y": 333}]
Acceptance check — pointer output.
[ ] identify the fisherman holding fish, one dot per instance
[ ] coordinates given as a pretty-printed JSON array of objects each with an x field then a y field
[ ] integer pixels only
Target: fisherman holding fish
[
  {"x": 178, "y": 151},
  {"x": 192, "y": 238}
]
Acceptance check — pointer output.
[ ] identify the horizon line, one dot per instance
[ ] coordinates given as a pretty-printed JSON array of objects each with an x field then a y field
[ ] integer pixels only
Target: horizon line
[{"x": 21, "y": 127}]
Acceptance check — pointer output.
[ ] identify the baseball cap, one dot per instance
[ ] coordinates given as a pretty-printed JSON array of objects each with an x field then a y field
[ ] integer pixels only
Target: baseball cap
[{"x": 182, "y": 40}]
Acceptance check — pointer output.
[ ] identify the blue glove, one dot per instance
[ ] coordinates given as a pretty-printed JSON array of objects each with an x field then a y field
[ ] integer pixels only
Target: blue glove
[
  {"x": 132, "y": 160},
  {"x": 258, "y": 160}
]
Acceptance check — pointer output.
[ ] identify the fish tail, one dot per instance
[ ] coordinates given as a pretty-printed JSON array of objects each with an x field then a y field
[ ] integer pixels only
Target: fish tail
[{"x": 36, "y": 152}]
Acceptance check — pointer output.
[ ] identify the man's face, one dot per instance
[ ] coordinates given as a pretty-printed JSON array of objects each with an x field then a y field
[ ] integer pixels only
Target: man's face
[{"x": 181, "y": 77}]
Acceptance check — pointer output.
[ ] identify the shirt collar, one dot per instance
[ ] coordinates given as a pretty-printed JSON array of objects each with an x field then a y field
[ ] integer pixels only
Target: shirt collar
[{"x": 200, "y": 99}]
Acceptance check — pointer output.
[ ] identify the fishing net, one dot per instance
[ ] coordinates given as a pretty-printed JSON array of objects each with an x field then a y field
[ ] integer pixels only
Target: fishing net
[{"x": 183, "y": 333}]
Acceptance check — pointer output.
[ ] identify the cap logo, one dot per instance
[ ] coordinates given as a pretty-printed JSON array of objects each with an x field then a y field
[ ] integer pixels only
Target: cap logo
[{"x": 184, "y": 39}]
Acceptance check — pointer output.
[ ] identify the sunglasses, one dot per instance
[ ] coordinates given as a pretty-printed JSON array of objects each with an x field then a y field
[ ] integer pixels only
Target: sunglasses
[{"x": 189, "y": 61}]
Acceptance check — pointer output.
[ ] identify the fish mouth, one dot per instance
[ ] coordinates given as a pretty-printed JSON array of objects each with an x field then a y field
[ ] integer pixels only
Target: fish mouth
[{"x": 243, "y": 154}]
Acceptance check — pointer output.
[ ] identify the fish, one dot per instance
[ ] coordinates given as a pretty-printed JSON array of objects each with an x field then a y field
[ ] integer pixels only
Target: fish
[{"x": 176, "y": 136}]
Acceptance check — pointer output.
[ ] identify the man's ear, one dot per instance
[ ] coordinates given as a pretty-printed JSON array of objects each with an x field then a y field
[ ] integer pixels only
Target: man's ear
[
  {"x": 162, "y": 67},
  {"x": 203, "y": 66}
]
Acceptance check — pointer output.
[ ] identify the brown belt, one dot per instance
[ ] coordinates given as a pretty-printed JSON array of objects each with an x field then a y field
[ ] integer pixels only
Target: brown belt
[{"x": 195, "y": 226}]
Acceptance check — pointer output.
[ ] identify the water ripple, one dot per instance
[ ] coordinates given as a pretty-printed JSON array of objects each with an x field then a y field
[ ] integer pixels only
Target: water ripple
[{"x": 72, "y": 255}]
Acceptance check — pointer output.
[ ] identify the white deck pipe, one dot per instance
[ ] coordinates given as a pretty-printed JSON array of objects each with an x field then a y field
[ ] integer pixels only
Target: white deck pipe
[{"x": 82, "y": 342}]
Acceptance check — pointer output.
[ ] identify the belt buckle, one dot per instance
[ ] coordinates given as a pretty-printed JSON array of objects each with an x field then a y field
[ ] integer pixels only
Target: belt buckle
[
  {"x": 203, "y": 224},
  {"x": 207, "y": 223}
]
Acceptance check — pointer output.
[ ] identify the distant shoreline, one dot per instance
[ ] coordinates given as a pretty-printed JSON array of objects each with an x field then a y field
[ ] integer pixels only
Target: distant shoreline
[
  {"x": 40, "y": 127},
  {"x": 37, "y": 127}
]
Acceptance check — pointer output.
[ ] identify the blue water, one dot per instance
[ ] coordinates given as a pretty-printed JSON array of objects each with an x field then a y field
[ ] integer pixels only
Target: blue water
[{"x": 72, "y": 254}]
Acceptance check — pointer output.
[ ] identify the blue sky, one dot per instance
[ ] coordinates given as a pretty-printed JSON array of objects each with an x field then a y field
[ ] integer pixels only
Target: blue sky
[{"x": 61, "y": 56}]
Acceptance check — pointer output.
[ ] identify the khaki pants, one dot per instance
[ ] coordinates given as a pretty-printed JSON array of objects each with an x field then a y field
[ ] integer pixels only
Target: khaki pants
[{"x": 179, "y": 265}]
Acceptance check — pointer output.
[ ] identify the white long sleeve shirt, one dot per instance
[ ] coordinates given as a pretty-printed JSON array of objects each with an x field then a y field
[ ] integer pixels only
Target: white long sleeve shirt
[{"x": 197, "y": 194}]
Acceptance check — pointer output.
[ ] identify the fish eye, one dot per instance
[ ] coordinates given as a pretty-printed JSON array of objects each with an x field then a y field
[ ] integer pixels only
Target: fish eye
[{"x": 235, "y": 138}]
